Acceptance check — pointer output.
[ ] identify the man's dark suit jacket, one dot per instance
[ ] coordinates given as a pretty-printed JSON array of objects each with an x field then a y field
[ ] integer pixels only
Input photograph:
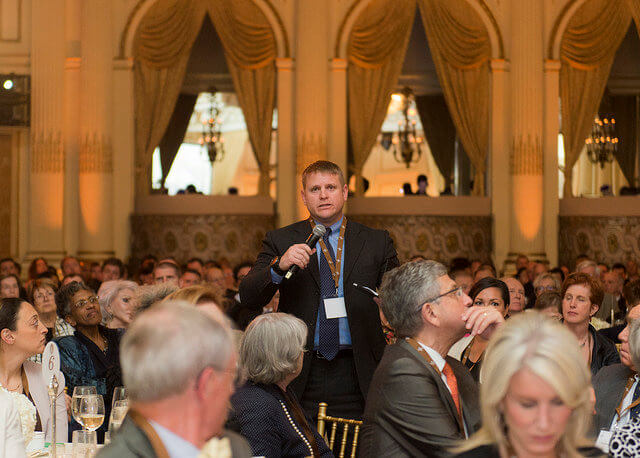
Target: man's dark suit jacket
[
  {"x": 131, "y": 441},
  {"x": 410, "y": 411},
  {"x": 368, "y": 253},
  {"x": 609, "y": 385}
]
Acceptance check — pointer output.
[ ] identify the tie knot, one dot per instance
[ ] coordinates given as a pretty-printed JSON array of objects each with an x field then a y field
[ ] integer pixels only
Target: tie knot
[{"x": 327, "y": 234}]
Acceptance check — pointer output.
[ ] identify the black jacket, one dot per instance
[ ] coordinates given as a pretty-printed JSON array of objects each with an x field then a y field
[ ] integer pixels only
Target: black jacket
[
  {"x": 368, "y": 254},
  {"x": 258, "y": 414},
  {"x": 604, "y": 352}
]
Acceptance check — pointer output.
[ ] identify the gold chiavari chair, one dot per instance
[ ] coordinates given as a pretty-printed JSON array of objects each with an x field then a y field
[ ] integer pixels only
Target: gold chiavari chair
[{"x": 323, "y": 418}]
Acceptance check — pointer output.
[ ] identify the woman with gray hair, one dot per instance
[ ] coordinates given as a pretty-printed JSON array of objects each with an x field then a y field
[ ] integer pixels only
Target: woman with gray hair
[
  {"x": 625, "y": 441},
  {"x": 118, "y": 303},
  {"x": 265, "y": 410}
]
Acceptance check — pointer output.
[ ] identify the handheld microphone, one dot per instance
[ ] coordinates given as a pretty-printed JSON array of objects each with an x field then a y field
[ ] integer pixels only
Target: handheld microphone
[{"x": 317, "y": 233}]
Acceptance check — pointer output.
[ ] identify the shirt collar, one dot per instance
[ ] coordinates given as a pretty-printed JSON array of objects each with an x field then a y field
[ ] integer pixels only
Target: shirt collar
[
  {"x": 176, "y": 446},
  {"x": 335, "y": 227},
  {"x": 435, "y": 356}
]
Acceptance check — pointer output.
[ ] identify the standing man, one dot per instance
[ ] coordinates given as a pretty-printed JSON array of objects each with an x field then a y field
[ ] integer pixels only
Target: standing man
[{"x": 345, "y": 337}]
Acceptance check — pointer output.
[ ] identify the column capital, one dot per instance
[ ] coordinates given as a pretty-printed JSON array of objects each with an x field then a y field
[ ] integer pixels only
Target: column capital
[
  {"x": 123, "y": 64},
  {"x": 338, "y": 63},
  {"x": 285, "y": 63},
  {"x": 499, "y": 65},
  {"x": 552, "y": 65}
]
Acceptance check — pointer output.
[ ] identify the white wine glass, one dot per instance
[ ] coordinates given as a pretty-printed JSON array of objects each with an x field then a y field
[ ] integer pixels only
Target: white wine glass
[
  {"x": 79, "y": 392},
  {"x": 92, "y": 411},
  {"x": 118, "y": 412}
]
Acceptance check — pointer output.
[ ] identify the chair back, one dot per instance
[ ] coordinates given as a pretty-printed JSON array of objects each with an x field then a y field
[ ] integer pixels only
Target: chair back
[{"x": 324, "y": 419}]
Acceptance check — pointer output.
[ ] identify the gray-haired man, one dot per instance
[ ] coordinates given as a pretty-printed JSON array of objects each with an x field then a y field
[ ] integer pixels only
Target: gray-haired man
[{"x": 178, "y": 365}]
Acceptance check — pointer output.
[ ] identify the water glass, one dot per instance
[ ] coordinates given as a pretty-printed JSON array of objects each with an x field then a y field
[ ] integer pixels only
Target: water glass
[
  {"x": 78, "y": 393},
  {"x": 85, "y": 443}
]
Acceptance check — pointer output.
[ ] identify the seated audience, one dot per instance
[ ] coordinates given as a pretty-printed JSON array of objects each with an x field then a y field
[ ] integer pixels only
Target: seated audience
[
  {"x": 550, "y": 303},
  {"x": 112, "y": 269},
  {"x": 613, "y": 307},
  {"x": 423, "y": 183},
  {"x": 487, "y": 292},
  {"x": 631, "y": 294},
  {"x": 118, "y": 303},
  {"x": 91, "y": 356},
  {"x": 41, "y": 294},
  {"x": 625, "y": 441},
  {"x": 215, "y": 276},
  {"x": 52, "y": 277},
  {"x": 523, "y": 277},
  {"x": 38, "y": 266},
  {"x": 535, "y": 396},
  {"x": 9, "y": 266},
  {"x": 420, "y": 401},
  {"x": 148, "y": 295},
  {"x": 615, "y": 386},
  {"x": 463, "y": 279},
  {"x": 9, "y": 286},
  {"x": 588, "y": 267},
  {"x": 71, "y": 278},
  {"x": 265, "y": 410},
  {"x": 11, "y": 440},
  {"x": 189, "y": 277},
  {"x": 240, "y": 271},
  {"x": 166, "y": 272},
  {"x": 484, "y": 271},
  {"x": 558, "y": 274},
  {"x": 145, "y": 275},
  {"x": 581, "y": 298},
  {"x": 178, "y": 366},
  {"x": 196, "y": 264},
  {"x": 517, "y": 300},
  {"x": 22, "y": 336},
  {"x": 70, "y": 265},
  {"x": 544, "y": 283},
  {"x": 198, "y": 295}
]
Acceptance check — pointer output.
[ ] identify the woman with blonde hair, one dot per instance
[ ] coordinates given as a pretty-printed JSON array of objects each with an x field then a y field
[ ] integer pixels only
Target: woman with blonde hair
[{"x": 536, "y": 394}]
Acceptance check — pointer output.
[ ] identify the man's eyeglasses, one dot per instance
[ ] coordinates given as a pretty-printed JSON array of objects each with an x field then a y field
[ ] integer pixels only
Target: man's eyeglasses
[
  {"x": 81, "y": 303},
  {"x": 457, "y": 291}
]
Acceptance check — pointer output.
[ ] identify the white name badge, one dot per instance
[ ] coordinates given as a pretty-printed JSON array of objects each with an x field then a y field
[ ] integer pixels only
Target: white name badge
[
  {"x": 334, "y": 307},
  {"x": 603, "y": 440}
]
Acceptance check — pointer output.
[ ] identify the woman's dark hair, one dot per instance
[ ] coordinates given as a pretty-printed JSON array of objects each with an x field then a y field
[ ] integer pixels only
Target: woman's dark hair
[
  {"x": 631, "y": 293},
  {"x": 32, "y": 267},
  {"x": 490, "y": 282},
  {"x": 9, "y": 309},
  {"x": 64, "y": 296},
  {"x": 558, "y": 270},
  {"x": 549, "y": 299}
]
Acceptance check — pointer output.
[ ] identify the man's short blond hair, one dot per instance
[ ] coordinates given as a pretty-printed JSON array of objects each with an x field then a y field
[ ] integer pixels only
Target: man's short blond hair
[{"x": 322, "y": 167}]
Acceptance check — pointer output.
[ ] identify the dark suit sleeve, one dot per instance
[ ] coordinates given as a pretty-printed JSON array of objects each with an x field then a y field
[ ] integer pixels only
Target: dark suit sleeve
[
  {"x": 414, "y": 413},
  {"x": 390, "y": 257},
  {"x": 257, "y": 288}
]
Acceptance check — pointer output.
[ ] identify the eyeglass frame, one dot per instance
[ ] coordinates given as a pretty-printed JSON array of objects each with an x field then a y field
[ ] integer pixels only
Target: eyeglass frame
[
  {"x": 83, "y": 302},
  {"x": 443, "y": 294}
]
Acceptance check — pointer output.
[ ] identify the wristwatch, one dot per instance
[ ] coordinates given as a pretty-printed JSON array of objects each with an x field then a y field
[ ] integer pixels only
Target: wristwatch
[{"x": 275, "y": 265}]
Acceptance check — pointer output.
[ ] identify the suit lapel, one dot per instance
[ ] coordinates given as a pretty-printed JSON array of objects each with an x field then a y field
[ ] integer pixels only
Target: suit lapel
[
  {"x": 352, "y": 248},
  {"x": 443, "y": 389}
]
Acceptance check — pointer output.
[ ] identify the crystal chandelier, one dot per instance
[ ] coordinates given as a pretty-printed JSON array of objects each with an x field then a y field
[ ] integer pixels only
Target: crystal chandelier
[
  {"x": 407, "y": 144},
  {"x": 211, "y": 139},
  {"x": 602, "y": 143}
]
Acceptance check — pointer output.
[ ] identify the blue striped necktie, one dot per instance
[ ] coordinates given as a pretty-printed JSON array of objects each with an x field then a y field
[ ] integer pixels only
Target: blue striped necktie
[{"x": 328, "y": 334}]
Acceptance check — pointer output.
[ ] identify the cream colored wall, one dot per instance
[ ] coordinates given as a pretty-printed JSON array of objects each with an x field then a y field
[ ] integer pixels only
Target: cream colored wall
[{"x": 78, "y": 53}]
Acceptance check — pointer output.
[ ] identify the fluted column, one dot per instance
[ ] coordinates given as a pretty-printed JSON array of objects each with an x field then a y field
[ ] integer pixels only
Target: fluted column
[
  {"x": 551, "y": 130},
  {"x": 500, "y": 176},
  {"x": 286, "y": 173},
  {"x": 95, "y": 162},
  {"x": 526, "y": 164},
  {"x": 312, "y": 54},
  {"x": 337, "y": 144},
  {"x": 43, "y": 204}
]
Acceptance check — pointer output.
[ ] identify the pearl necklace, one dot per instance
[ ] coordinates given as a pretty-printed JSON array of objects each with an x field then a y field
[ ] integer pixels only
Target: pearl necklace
[{"x": 295, "y": 427}]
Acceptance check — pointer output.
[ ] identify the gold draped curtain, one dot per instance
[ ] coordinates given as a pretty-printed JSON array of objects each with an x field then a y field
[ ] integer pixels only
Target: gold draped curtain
[
  {"x": 376, "y": 50},
  {"x": 461, "y": 50},
  {"x": 162, "y": 48},
  {"x": 587, "y": 51}
]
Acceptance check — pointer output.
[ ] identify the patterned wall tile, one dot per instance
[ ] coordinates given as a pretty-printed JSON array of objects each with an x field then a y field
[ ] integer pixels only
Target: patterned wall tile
[
  {"x": 435, "y": 237},
  {"x": 604, "y": 239},
  {"x": 235, "y": 237}
]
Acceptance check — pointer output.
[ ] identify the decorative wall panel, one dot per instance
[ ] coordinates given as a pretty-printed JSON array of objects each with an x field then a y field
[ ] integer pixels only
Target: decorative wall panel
[
  {"x": 604, "y": 239},
  {"x": 441, "y": 238},
  {"x": 235, "y": 237}
]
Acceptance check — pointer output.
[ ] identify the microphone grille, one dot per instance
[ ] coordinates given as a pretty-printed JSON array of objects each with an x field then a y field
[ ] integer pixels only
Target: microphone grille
[{"x": 319, "y": 230}]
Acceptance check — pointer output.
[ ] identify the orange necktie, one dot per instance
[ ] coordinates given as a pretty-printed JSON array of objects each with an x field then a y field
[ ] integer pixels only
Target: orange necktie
[{"x": 452, "y": 383}]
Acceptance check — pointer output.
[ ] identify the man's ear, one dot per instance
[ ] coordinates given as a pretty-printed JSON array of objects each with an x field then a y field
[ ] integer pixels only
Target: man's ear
[
  {"x": 429, "y": 314},
  {"x": 206, "y": 382}
]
